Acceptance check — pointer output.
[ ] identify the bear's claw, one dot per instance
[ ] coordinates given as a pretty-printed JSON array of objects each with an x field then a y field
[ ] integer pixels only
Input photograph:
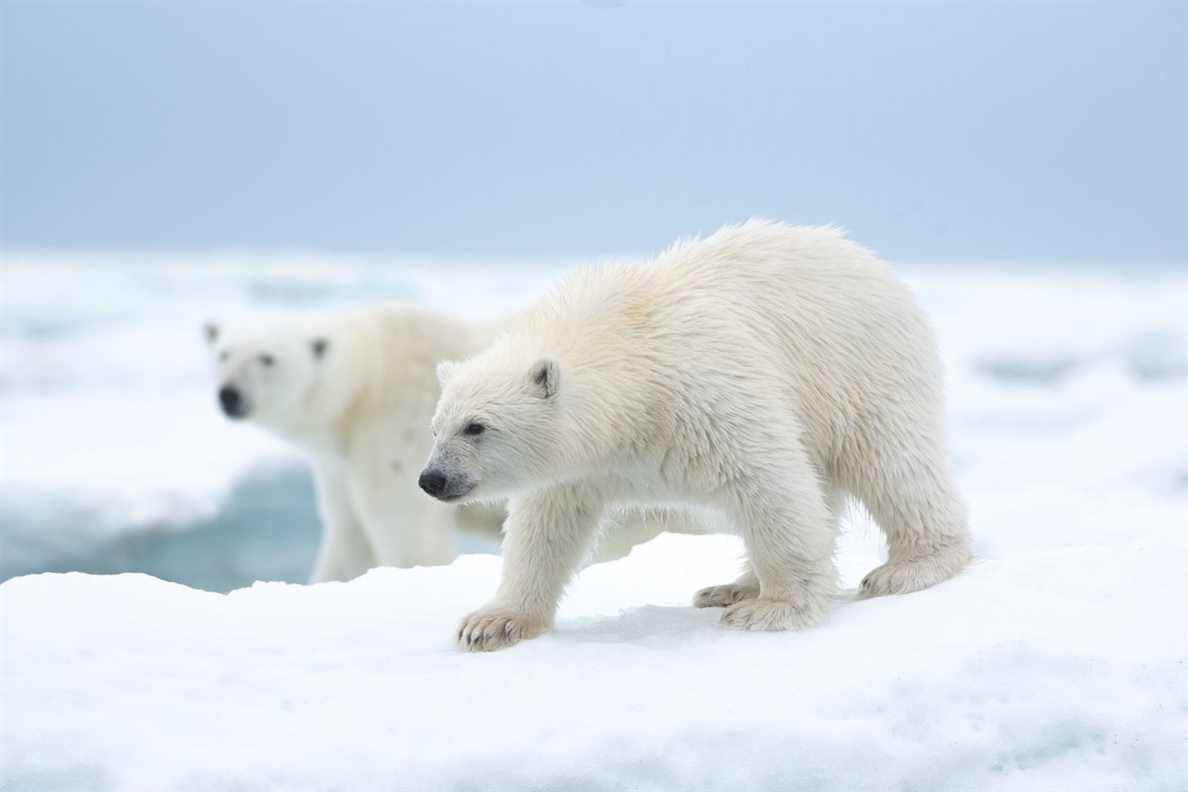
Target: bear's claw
[
  {"x": 769, "y": 615},
  {"x": 721, "y": 596},
  {"x": 908, "y": 576},
  {"x": 488, "y": 630}
]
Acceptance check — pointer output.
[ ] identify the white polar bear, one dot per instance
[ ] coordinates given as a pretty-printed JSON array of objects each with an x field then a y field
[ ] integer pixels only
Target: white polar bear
[
  {"x": 355, "y": 392},
  {"x": 762, "y": 373}
]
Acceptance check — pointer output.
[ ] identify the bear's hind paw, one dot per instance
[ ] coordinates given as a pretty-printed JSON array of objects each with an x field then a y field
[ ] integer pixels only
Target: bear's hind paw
[
  {"x": 908, "y": 576},
  {"x": 770, "y": 615},
  {"x": 722, "y": 596}
]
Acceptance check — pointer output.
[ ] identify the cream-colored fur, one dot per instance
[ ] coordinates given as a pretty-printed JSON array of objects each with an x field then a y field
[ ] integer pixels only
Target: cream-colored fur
[
  {"x": 355, "y": 392},
  {"x": 358, "y": 409},
  {"x": 760, "y": 374}
]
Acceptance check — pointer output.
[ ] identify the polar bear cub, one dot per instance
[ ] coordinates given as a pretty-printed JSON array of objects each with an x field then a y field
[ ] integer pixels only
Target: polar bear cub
[
  {"x": 763, "y": 373},
  {"x": 354, "y": 392}
]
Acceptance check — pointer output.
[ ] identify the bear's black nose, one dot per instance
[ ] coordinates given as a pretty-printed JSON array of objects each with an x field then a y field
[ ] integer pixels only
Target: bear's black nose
[
  {"x": 432, "y": 482},
  {"x": 231, "y": 401}
]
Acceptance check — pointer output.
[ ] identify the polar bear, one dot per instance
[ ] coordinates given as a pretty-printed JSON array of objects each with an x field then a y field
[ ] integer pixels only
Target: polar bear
[
  {"x": 355, "y": 393},
  {"x": 764, "y": 373}
]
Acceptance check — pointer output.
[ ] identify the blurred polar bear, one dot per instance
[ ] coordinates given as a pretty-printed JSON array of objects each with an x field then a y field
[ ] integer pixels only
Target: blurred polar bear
[{"x": 355, "y": 392}]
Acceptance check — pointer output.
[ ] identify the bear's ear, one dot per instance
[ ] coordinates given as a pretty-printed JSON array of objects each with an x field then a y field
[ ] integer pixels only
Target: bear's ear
[
  {"x": 319, "y": 346},
  {"x": 445, "y": 370},
  {"x": 210, "y": 331},
  {"x": 545, "y": 375}
]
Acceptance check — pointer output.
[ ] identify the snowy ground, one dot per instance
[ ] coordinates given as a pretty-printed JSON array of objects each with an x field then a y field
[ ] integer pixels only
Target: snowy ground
[{"x": 1059, "y": 661}]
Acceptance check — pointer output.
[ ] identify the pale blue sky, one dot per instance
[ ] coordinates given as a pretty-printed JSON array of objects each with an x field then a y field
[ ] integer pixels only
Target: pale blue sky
[{"x": 933, "y": 131}]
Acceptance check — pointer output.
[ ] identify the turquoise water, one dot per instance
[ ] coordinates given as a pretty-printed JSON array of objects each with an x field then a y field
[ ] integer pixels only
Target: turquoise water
[{"x": 267, "y": 529}]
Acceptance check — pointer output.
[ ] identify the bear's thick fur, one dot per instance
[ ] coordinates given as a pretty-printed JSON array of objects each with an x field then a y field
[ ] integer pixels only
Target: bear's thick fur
[
  {"x": 355, "y": 392},
  {"x": 763, "y": 373}
]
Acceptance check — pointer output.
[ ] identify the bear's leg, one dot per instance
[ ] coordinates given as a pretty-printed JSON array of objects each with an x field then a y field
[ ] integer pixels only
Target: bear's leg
[
  {"x": 547, "y": 535},
  {"x": 910, "y": 493},
  {"x": 747, "y": 584},
  {"x": 787, "y": 524},
  {"x": 405, "y": 528},
  {"x": 345, "y": 552}
]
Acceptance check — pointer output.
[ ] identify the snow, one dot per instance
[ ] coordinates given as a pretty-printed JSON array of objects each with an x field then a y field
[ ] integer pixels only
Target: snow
[
  {"x": 1041, "y": 670},
  {"x": 1057, "y": 661}
]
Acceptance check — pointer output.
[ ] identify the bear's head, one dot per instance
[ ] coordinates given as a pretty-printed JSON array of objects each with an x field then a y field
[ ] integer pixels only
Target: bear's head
[
  {"x": 496, "y": 429},
  {"x": 267, "y": 375}
]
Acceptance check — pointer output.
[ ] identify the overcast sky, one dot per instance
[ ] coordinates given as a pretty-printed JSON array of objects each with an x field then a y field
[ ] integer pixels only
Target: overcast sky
[{"x": 959, "y": 131}]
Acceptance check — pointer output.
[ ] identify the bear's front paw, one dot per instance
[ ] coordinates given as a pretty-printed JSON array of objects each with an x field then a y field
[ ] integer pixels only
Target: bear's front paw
[
  {"x": 497, "y": 628},
  {"x": 771, "y": 615},
  {"x": 721, "y": 596}
]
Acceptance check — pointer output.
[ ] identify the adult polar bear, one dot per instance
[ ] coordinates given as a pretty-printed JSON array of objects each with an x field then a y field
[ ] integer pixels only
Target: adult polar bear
[
  {"x": 762, "y": 373},
  {"x": 355, "y": 392}
]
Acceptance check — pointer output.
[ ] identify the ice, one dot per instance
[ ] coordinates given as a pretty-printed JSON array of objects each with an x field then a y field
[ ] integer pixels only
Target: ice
[{"x": 1057, "y": 661}]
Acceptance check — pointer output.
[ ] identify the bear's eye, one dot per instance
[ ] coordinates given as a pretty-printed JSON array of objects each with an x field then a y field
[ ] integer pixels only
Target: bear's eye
[
  {"x": 267, "y": 360},
  {"x": 474, "y": 429},
  {"x": 226, "y": 353}
]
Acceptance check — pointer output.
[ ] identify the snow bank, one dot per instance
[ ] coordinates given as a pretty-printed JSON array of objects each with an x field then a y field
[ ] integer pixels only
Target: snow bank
[{"x": 1049, "y": 669}]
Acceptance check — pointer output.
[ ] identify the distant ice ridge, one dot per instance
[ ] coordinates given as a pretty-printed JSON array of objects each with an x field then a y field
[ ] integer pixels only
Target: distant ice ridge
[{"x": 114, "y": 456}]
